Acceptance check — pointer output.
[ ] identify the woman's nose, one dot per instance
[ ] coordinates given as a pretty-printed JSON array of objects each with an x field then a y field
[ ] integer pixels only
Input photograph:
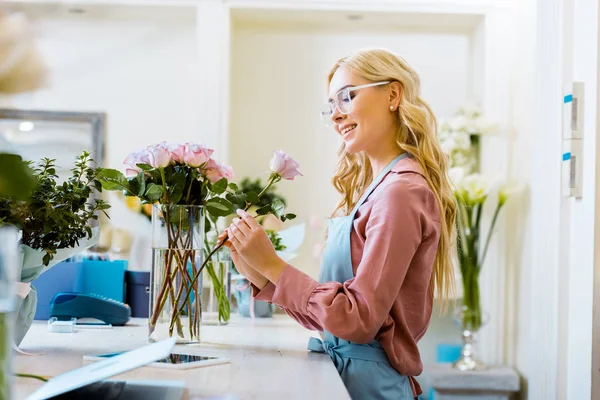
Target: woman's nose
[{"x": 336, "y": 115}]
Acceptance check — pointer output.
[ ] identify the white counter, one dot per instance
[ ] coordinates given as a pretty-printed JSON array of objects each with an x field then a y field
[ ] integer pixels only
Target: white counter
[{"x": 269, "y": 359}]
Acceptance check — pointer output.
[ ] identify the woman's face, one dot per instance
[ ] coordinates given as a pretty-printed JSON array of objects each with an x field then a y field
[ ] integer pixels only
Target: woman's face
[{"x": 369, "y": 123}]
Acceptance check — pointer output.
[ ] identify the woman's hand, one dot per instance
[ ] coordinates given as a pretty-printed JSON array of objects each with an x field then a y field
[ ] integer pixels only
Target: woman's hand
[
  {"x": 252, "y": 243},
  {"x": 242, "y": 266}
]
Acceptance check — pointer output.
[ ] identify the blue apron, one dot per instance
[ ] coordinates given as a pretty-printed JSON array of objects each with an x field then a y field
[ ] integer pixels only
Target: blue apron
[{"x": 364, "y": 368}]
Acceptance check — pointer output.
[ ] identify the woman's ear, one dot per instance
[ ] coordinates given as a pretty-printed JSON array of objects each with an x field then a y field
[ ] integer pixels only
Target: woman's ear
[{"x": 395, "y": 94}]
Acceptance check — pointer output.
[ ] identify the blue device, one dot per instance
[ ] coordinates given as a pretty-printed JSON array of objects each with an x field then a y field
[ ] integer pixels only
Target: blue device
[{"x": 67, "y": 305}]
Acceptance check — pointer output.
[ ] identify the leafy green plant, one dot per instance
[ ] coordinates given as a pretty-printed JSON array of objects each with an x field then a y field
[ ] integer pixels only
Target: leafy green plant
[
  {"x": 56, "y": 215},
  {"x": 248, "y": 185}
]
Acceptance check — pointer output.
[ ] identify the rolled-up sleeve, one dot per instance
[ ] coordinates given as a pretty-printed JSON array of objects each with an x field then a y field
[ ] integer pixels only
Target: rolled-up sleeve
[{"x": 356, "y": 309}]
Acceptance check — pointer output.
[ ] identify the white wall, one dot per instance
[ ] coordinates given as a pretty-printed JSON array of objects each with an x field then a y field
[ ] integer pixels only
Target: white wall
[
  {"x": 554, "y": 341},
  {"x": 142, "y": 71},
  {"x": 521, "y": 146},
  {"x": 580, "y": 268}
]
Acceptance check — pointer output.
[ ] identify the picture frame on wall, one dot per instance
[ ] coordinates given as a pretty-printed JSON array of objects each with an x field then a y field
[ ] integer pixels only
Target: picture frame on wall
[{"x": 59, "y": 135}]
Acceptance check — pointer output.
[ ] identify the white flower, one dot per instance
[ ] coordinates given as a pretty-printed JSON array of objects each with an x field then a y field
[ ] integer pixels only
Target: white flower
[
  {"x": 457, "y": 123},
  {"x": 509, "y": 190},
  {"x": 462, "y": 140},
  {"x": 474, "y": 189},
  {"x": 448, "y": 145},
  {"x": 461, "y": 159},
  {"x": 456, "y": 175}
]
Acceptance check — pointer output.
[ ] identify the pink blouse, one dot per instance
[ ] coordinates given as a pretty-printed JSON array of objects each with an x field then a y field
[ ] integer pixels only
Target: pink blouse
[{"x": 394, "y": 243}]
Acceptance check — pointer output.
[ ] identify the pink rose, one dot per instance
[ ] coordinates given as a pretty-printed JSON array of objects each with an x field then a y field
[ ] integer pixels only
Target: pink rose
[
  {"x": 177, "y": 152},
  {"x": 215, "y": 171},
  {"x": 135, "y": 158},
  {"x": 226, "y": 171},
  {"x": 195, "y": 155},
  {"x": 160, "y": 156},
  {"x": 284, "y": 165}
]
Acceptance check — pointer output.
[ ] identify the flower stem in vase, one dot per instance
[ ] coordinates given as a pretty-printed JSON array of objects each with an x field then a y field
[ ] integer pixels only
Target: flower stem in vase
[{"x": 178, "y": 232}]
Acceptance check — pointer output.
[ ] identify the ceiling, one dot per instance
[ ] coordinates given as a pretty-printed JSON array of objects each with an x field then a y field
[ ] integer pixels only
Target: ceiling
[
  {"x": 262, "y": 18},
  {"x": 354, "y": 21}
]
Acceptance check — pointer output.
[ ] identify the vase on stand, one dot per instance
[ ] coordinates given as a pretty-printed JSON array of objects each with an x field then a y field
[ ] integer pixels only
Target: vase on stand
[
  {"x": 470, "y": 318},
  {"x": 8, "y": 276},
  {"x": 177, "y": 246},
  {"x": 216, "y": 290}
]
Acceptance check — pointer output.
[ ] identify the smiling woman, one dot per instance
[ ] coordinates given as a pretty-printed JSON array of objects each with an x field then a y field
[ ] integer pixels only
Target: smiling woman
[{"x": 388, "y": 243}]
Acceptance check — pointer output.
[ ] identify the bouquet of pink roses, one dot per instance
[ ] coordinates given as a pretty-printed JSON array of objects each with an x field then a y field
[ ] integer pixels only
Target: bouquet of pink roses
[{"x": 190, "y": 191}]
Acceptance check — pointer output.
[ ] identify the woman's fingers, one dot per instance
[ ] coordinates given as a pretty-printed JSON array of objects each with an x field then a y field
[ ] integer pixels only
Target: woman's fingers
[{"x": 242, "y": 226}]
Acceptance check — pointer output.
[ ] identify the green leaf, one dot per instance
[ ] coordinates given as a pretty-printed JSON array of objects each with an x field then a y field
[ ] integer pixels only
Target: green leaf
[
  {"x": 154, "y": 192},
  {"x": 220, "y": 186},
  {"x": 134, "y": 187},
  {"x": 219, "y": 207},
  {"x": 112, "y": 174},
  {"x": 287, "y": 217},
  {"x": 144, "y": 167},
  {"x": 237, "y": 199},
  {"x": 15, "y": 178},
  {"x": 98, "y": 185},
  {"x": 177, "y": 187},
  {"x": 113, "y": 179},
  {"x": 141, "y": 182},
  {"x": 233, "y": 187},
  {"x": 264, "y": 210},
  {"x": 278, "y": 208},
  {"x": 252, "y": 198}
]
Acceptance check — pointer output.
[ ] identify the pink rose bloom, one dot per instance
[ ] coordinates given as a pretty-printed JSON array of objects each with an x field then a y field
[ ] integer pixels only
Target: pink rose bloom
[
  {"x": 215, "y": 171},
  {"x": 284, "y": 165},
  {"x": 177, "y": 152},
  {"x": 195, "y": 155},
  {"x": 137, "y": 157},
  {"x": 226, "y": 171},
  {"x": 160, "y": 156}
]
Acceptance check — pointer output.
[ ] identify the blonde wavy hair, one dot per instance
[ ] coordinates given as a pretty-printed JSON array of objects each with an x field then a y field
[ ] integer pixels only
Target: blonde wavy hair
[{"x": 417, "y": 135}]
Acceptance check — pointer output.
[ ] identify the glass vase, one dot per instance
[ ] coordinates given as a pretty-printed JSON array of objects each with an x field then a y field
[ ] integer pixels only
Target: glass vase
[
  {"x": 8, "y": 275},
  {"x": 177, "y": 245},
  {"x": 216, "y": 291},
  {"x": 470, "y": 320}
]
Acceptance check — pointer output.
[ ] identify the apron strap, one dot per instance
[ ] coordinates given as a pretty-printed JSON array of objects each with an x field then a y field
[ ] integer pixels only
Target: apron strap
[
  {"x": 357, "y": 351},
  {"x": 376, "y": 181}
]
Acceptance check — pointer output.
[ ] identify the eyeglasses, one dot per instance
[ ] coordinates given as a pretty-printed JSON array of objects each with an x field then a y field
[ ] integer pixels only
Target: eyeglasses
[{"x": 343, "y": 100}]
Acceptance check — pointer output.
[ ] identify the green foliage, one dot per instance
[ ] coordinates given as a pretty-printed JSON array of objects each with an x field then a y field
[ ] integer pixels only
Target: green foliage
[
  {"x": 55, "y": 215},
  {"x": 248, "y": 185},
  {"x": 275, "y": 240},
  {"x": 184, "y": 185},
  {"x": 15, "y": 178}
]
